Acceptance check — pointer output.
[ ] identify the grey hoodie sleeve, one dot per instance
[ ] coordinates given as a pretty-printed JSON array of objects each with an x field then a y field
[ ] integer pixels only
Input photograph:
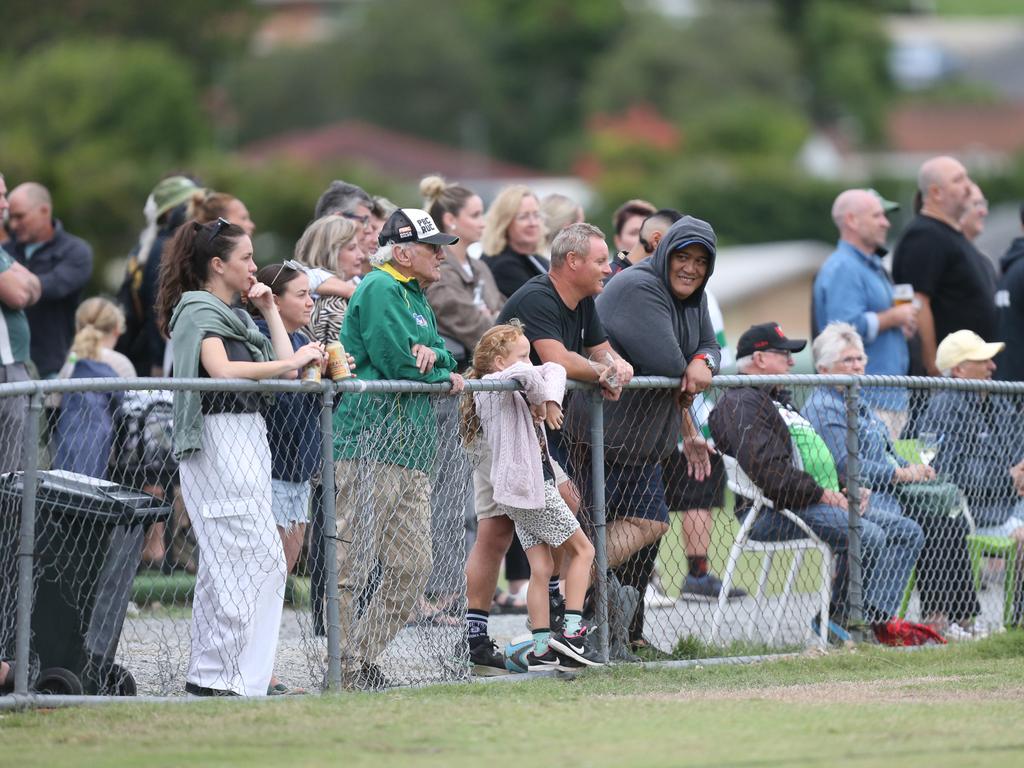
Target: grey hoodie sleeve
[{"x": 646, "y": 337}]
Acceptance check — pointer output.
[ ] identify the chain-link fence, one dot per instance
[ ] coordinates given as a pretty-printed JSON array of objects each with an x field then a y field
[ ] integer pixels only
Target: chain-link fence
[{"x": 320, "y": 537}]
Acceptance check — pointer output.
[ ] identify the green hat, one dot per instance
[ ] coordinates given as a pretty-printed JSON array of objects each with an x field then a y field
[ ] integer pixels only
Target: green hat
[
  {"x": 172, "y": 192},
  {"x": 887, "y": 205}
]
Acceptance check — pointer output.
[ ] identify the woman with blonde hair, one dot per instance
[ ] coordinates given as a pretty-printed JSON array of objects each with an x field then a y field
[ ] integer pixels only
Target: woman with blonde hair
[
  {"x": 512, "y": 239},
  {"x": 329, "y": 253},
  {"x": 85, "y": 430},
  {"x": 558, "y": 211}
]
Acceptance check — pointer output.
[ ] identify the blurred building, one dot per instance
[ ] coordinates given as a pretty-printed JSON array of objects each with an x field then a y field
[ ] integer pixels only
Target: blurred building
[{"x": 407, "y": 158}]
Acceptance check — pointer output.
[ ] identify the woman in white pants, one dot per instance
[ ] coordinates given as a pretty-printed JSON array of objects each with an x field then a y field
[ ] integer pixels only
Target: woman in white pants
[{"x": 220, "y": 440}]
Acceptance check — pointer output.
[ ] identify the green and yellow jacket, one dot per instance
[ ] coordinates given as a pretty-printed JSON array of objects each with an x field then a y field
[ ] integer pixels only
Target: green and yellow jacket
[{"x": 386, "y": 316}]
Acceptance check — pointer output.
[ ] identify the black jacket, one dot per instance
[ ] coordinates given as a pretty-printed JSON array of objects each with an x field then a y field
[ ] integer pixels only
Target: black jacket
[
  {"x": 746, "y": 425},
  {"x": 63, "y": 265},
  {"x": 1010, "y": 313},
  {"x": 512, "y": 269}
]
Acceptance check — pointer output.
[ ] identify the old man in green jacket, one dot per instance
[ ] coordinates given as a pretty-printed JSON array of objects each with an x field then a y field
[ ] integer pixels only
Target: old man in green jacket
[{"x": 384, "y": 444}]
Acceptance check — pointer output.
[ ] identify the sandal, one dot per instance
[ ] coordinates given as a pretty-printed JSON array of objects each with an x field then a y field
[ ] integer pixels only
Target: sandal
[
  {"x": 280, "y": 689},
  {"x": 507, "y": 603}
]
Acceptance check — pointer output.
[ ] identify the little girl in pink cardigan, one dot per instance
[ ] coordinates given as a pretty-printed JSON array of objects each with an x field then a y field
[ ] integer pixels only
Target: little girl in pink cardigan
[{"x": 517, "y": 472}]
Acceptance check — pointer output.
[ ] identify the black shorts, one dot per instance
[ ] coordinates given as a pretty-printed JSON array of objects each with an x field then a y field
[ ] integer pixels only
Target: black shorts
[{"x": 684, "y": 493}]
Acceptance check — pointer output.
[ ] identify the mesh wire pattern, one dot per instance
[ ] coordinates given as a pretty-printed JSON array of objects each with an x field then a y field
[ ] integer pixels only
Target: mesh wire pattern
[{"x": 332, "y": 550}]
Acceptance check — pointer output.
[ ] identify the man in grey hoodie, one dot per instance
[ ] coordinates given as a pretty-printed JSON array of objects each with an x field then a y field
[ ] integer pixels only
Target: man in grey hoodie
[{"x": 656, "y": 318}]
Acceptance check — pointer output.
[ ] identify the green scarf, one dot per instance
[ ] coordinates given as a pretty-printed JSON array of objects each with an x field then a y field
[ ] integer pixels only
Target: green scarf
[{"x": 198, "y": 314}]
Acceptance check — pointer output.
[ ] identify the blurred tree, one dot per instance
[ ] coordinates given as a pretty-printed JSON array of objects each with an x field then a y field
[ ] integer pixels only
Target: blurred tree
[
  {"x": 686, "y": 66},
  {"x": 99, "y": 123},
  {"x": 842, "y": 47},
  {"x": 203, "y": 33},
  {"x": 502, "y": 78}
]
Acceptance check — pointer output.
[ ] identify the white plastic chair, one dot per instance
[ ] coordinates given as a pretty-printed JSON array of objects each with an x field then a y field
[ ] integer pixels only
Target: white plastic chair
[{"x": 742, "y": 485}]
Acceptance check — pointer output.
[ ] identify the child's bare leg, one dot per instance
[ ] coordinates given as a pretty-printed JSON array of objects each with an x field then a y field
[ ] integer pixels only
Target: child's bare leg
[
  {"x": 537, "y": 604},
  {"x": 578, "y": 556}
]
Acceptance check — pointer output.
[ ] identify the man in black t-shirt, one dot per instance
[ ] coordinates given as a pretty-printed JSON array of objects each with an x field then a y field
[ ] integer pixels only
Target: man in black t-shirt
[
  {"x": 953, "y": 282},
  {"x": 561, "y": 322}
]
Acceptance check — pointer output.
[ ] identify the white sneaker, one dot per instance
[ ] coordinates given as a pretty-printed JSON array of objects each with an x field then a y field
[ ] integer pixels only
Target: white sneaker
[
  {"x": 957, "y": 634},
  {"x": 655, "y": 599}
]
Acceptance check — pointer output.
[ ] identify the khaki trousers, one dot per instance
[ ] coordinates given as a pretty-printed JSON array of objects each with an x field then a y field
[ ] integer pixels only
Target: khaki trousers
[{"x": 383, "y": 513}]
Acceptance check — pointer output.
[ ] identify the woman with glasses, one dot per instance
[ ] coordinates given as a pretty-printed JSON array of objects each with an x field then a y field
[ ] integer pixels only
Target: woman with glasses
[
  {"x": 513, "y": 237},
  {"x": 949, "y": 603},
  {"x": 220, "y": 442},
  {"x": 330, "y": 252}
]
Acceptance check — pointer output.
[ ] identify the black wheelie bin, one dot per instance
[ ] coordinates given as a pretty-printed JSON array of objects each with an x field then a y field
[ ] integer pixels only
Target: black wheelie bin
[{"x": 89, "y": 536}]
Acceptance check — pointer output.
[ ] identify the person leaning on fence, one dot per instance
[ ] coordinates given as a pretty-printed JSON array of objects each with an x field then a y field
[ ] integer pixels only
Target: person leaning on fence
[
  {"x": 782, "y": 454},
  {"x": 560, "y": 319},
  {"x": 220, "y": 441},
  {"x": 516, "y": 474},
  {"x": 981, "y": 449},
  {"x": 384, "y": 444},
  {"x": 660, "y": 298},
  {"x": 949, "y": 602}
]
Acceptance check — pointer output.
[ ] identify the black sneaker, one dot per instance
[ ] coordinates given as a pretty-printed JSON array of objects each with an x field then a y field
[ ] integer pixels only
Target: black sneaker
[
  {"x": 556, "y": 611},
  {"x": 706, "y": 588},
  {"x": 486, "y": 659},
  {"x": 366, "y": 677},
  {"x": 548, "y": 660},
  {"x": 573, "y": 648}
]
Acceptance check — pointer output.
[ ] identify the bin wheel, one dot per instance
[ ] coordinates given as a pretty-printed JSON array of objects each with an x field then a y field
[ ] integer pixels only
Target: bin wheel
[
  {"x": 120, "y": 682},
  {"x": 57, "y": 681}
]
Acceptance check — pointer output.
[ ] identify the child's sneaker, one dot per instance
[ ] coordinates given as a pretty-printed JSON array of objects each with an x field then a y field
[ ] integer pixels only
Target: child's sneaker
[
  {"x": 547, "y": 660},
  {"x": 486, "y": 659},
  {"x": 573, "y": 648}
]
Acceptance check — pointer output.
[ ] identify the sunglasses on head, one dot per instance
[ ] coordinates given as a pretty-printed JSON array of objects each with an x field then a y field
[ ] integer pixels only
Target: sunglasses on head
[
  {"x": 290, "y": 264},
  {"x": 364, "y": 220},
  {"x": 218, "y": 226}
]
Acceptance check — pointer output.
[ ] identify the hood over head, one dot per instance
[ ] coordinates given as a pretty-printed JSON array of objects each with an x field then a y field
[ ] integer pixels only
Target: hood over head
[{"x": 684, "y": 232}]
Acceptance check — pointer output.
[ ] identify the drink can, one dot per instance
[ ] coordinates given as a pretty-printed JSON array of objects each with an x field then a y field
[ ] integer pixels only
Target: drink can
[
  {"x": 311, "y": 372},
  {"x": 337, "y": 362}
]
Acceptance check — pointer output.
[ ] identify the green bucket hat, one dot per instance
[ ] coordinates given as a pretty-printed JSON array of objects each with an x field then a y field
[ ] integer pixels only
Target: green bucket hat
[{"x": 172, "y": 192}]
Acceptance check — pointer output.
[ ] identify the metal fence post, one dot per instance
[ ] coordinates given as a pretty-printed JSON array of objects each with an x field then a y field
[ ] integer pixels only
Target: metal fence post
[
  {"x": 330, "y": 537},
  {"x": 598, "y": 513},
  {"x": 855, "y": 596},
  {"x": 27, "y": 544}
]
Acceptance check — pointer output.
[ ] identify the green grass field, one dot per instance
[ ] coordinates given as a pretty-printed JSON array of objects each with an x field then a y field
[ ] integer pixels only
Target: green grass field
[{"x": 953, "y": 706}]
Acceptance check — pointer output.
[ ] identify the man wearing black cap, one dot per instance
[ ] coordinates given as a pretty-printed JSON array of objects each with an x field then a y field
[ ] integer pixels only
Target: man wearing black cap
[
  {"x": 791, "y": 464},
  {"x": 384, "y": 444}
]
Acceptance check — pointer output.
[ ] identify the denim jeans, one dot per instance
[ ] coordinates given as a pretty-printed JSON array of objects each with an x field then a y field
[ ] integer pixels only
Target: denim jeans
[{"x": 890, "y": 544}]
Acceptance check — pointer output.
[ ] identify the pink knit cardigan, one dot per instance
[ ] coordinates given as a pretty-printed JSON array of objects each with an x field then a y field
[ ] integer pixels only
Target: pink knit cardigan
[{"x": 516, "y": 472}]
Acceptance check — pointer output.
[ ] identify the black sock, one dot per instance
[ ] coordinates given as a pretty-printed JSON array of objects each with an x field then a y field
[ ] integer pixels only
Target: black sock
[
  {"x": 698, "y": 565},
  {"x": 553, "y": 586},
  {"x": 476, "y": 623}
]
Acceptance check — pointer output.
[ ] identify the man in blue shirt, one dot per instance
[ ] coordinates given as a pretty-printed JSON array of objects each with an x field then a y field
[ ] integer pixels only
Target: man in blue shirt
[{"x": 853, "y": 286}]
